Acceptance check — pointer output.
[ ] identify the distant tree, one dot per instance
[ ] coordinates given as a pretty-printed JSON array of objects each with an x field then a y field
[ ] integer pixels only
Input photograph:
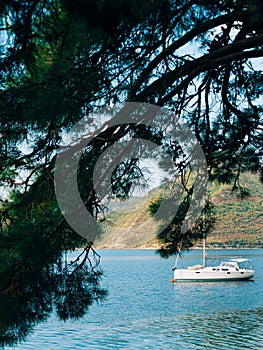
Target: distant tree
[{"x": 61, "y": 60}]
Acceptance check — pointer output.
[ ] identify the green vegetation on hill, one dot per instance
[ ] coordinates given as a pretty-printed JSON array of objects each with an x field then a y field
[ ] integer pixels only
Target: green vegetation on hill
[{"x": 239, "y": 222}]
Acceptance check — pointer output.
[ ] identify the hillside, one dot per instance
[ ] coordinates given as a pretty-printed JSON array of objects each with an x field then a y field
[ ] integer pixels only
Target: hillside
[{"x": 239, "y": 223}]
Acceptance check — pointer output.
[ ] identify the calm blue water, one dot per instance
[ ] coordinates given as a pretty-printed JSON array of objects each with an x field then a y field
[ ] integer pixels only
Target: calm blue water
[{"x": 144, "y": 310}]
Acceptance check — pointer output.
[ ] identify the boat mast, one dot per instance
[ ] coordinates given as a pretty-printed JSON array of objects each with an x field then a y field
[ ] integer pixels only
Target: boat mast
[
  {"x": 204, "y": 239},
  {"x": 204, "y": 253}
]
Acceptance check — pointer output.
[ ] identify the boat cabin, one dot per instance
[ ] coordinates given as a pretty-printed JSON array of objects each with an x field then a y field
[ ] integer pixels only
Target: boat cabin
[
  {"x": 236, "y": 264},
  {"x": 226, "y": 265}
]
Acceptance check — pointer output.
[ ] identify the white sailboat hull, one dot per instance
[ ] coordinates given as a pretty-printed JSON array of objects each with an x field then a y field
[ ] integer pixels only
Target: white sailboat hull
[{"x": 212, "y": 274}]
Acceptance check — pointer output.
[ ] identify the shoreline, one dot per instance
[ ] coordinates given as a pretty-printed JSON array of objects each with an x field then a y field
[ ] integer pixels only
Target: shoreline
[{"x": 156, "y": 248}]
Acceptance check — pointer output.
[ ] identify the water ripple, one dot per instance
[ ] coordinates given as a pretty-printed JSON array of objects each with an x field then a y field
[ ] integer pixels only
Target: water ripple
[
  {"x": 222, "y": 331},
  {"x": 144, "y": 311}
]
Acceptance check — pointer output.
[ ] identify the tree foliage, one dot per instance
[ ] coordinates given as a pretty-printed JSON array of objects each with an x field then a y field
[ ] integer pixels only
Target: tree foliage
[
  {"x": 173, "y": 240},
  {"x": 62, "y": 60}
]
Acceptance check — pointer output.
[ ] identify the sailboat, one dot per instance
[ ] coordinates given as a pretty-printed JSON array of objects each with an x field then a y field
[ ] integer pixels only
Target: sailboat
[
  {"x": 230, "y": 270},
  {"x": 237, "y": 269}
]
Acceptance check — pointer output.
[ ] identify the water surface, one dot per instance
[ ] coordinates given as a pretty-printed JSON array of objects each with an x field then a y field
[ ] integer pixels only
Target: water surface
[{"x": 144, "y": 310}]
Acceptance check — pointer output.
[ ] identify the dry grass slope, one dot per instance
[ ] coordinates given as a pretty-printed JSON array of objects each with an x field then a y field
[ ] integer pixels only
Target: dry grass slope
[{"x": 239, "y": 222}]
